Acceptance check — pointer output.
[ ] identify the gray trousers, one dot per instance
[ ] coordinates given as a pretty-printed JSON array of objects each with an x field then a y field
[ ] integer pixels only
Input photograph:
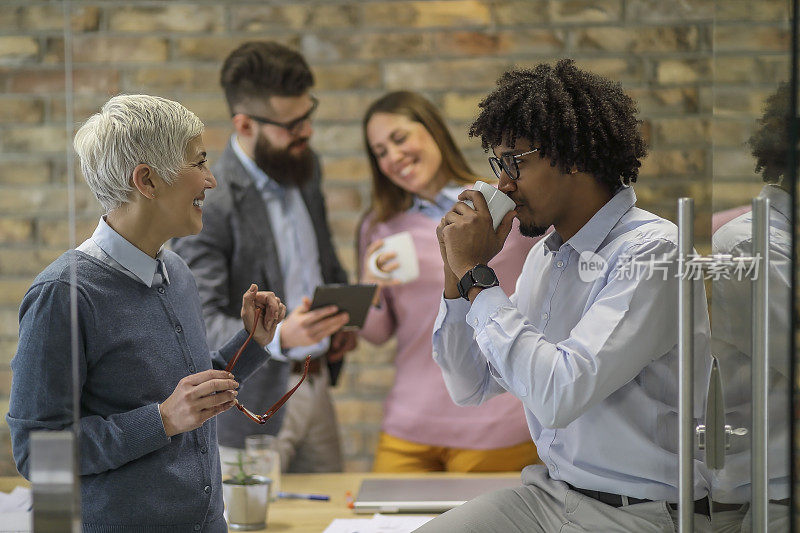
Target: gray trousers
[
  {"x": 308, "y": 440},
  {"x": 739, "y": 521},
  {"x": 544, "y": 505}
]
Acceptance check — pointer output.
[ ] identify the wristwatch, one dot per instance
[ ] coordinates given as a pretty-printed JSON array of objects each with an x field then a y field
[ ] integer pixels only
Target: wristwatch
[{"x": 478, "y": 276}]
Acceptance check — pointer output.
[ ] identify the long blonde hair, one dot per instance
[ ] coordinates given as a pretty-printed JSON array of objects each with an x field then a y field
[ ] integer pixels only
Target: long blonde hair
[{"x": 387, "y": 198}]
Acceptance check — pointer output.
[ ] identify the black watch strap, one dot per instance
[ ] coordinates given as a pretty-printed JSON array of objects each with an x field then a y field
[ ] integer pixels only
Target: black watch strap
[{"x": 478, "y": 276}]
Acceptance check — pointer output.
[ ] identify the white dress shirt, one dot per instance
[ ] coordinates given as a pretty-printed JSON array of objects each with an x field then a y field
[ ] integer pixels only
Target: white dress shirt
[
  {"x": 591, "y": 353},
  {"x": 440, "y": 206},
  {"x": 296, "y": 243},
  {"x": 113, "y": 249},
  {"x": 732, "y": 310}
]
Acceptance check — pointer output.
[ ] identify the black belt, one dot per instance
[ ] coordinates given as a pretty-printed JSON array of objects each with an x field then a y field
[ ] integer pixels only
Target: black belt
[
  {"x": 313, "y": 367},
  {"x": 615, "y": 500},
  {"x": 719, "y": 507}
]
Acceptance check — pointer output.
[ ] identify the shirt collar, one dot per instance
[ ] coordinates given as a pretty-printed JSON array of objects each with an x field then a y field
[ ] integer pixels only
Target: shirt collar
[
  {"x": 593, "y": 233},
  {"x": 444, "y": 200},
  {"x": 260, "y": 178},
  {"x": 779, "y": 199},
  {"x": 127, "y": 255}
]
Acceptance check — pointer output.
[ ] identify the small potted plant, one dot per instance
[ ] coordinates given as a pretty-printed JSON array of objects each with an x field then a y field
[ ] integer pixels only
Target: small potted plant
[{"x": 246, "y": 497}]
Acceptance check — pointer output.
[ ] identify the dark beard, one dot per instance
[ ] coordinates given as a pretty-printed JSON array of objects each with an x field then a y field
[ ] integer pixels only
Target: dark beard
[
  {"x": 532, "y": 230},
  {"x": 281, "y": 166}
]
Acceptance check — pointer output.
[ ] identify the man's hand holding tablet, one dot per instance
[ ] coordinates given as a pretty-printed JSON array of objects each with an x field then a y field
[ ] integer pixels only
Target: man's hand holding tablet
[{"x": 353, "y": 301}]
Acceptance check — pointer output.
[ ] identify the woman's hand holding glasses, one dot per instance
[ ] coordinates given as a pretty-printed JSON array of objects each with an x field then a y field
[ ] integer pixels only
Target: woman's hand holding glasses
[
  {"x": 264, "y": 310},
  {"x": 201, "y": 396},
  {"x": 272, "y": 312},
  {"x": 197, "y": 398}
]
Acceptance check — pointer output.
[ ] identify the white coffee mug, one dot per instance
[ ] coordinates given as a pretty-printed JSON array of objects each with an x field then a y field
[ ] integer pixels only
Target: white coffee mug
[
  {"x": 499, "y": 204},
  {"x": 403, "y": 245}
]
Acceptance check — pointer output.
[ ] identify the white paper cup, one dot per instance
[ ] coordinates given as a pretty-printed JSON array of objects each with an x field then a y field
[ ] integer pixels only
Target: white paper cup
[
  {"x": 499, "y": 204},
  {"x": 403, "y": 245}
]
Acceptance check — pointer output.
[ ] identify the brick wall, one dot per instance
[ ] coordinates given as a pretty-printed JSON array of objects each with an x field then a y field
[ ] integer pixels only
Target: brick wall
[{"x": 667, "y": 54}]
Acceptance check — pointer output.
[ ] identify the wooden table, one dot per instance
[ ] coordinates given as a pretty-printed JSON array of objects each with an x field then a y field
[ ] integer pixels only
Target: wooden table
[{"x": 308, "y": 516}]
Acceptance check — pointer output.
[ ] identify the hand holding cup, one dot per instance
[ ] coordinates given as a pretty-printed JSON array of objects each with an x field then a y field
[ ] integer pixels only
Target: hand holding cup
[
  {"x": 499, "y": 204},
  {"x": 393, "y": 258}
]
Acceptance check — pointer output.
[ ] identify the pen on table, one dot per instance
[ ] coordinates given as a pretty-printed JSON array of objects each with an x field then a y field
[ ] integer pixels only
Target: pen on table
[{"x": 302, "y": 496}]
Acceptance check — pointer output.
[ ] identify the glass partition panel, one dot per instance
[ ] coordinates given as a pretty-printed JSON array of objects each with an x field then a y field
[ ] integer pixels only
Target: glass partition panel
[{"x": 751, "y": 244}]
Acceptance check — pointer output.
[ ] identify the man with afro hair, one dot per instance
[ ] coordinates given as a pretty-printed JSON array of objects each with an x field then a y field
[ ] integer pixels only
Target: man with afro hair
[{"x": 588, "y": 340}]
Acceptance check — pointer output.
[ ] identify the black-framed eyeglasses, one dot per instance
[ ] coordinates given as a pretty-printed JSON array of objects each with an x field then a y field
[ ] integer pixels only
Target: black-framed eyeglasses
[
  {"x": 508, "y": 162},
  {"x": 293, "y": 126}
]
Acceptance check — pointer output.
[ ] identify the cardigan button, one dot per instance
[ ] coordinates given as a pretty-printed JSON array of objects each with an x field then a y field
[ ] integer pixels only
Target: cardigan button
[
  {"x": 207, "y": 489},
  {"x": 197, "y": 527},
  {"x": 161, "y": 290}
]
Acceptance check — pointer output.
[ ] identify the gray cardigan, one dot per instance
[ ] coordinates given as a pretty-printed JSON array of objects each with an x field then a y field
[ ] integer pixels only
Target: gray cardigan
[
  {"x": 236, "y": 248},
  {"x": 135, "y": 344}
]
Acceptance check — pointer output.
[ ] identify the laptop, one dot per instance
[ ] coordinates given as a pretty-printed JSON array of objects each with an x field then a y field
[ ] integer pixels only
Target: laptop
[{"x": 425, "y": 495}]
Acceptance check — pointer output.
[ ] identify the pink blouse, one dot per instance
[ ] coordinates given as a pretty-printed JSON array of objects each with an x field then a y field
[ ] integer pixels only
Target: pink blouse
[{"x": 418, "y": 407}]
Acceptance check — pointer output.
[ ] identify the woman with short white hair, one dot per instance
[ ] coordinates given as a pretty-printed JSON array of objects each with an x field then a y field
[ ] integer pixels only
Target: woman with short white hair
[{"x": 149, "y": 388}]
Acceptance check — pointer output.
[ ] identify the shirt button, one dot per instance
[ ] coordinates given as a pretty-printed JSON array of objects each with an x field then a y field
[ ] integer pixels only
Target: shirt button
[
  {"x": 161, "y": 290},
  {"x": 207, "y": 489},
  {"x": 560, "y": 264},
  {"x": 178, "y": 329},
  {"x": 197, "y": 527},
  {"x": 545, "y": 316},
  {"x": 435, "y": 355},
  {"x": 475, "y": 322}
]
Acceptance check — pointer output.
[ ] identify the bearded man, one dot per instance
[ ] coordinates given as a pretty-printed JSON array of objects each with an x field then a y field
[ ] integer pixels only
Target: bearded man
[{"x": 266, "y": 224}]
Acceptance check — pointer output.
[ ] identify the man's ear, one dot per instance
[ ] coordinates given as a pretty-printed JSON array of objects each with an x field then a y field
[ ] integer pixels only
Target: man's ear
[
  {"x": 144, "y": 181},
  {"x": 244, "y": 125}
]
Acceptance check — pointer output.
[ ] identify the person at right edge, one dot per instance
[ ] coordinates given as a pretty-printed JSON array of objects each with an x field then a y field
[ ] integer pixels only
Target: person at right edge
[
  {"x": 732, "y": 327},
  {"x": 588, "y": 340}
]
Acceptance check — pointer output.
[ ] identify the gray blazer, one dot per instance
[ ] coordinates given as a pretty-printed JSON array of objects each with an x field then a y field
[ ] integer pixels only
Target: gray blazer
[{"x": 236, "y": 248}]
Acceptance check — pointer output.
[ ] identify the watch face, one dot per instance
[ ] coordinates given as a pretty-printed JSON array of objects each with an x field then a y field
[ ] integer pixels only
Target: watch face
[{"x": 483, "y": 275}]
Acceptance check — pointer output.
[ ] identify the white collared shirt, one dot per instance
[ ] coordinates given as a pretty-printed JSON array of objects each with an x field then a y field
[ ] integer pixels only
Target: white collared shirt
[
  {"x": 113, "y": 249},
  {"x": 440, "y": 206},
  {"x": 296, "y": 244},
  {"x": 732, "y": 309},
  {"x": 591, "y": 353}
]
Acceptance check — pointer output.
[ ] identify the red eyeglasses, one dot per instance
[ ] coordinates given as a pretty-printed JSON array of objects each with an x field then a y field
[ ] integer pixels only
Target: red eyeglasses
[{"x": 262, "y": 419}]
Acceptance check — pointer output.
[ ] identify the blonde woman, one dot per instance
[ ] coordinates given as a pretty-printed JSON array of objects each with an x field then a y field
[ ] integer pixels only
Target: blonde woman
[{"x": 417, "y": 174}]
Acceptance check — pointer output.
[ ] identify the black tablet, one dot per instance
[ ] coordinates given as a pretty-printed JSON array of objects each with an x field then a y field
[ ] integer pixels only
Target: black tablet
[{"x": 355, "y": 299}]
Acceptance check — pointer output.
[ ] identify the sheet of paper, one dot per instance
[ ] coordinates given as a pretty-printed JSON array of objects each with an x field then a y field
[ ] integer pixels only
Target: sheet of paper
[
  {"x": 348, "y": 525},
  {"x": 398, "y": 523},
  {"x": 19, "y": 499},
  {"x": 15, "y": 522},
  {"x": 378, "y": 524}
]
